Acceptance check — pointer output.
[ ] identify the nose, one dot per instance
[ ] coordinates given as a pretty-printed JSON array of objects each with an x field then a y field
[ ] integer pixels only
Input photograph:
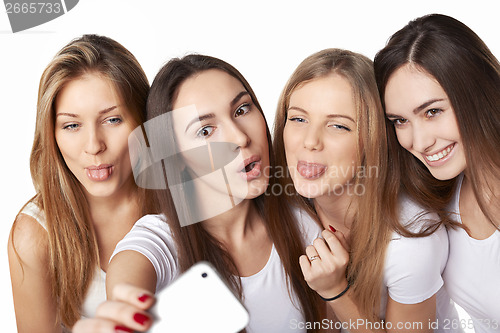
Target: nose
[
  {"x": 238, "y": 136},
  {"x": 312, "y": 138},
  {"x": 423, "y": 138},
  {"x": 95, "y": 142}
]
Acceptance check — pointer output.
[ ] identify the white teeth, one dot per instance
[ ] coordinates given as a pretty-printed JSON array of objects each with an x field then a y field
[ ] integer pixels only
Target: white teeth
[{"x": 439, "y": 155}]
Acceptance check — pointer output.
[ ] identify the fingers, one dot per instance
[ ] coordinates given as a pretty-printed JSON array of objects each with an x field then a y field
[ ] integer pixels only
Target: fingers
[
  {"x": 123, "y": 314},
  {"x": 334, "y": 242},
  {"x": 96, "y": 325},
  {"x": 140, "y": 298}
]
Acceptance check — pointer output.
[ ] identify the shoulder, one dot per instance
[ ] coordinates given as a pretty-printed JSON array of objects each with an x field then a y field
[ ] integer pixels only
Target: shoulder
[
  {"x": 28, "y": 241},
  {"x": 413, "y": 216}
]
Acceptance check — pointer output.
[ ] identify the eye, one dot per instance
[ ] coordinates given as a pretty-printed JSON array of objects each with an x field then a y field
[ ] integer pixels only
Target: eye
[
  {"x": 432, "y": 113},
  {"x": 242, "y": 110},
  {"x": 398, "y": 121},
  {"x": 205, "y": 131},
  {"x": 340, "y": 127},
  {"x": 71, "y": 127},
  {"x": 297, "y": 119},
  {"x": 114, "y": 120}
]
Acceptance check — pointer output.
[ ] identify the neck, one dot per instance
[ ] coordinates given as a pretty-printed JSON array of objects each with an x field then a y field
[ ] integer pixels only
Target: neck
[
  {"x": 336, "y": 210},
  {"x": 123, "y": 205},
  {"x": 232, "y": 226}
]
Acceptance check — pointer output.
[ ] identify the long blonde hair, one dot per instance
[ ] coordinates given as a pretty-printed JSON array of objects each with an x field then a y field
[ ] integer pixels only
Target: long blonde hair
[
  {"x": 73, "y": 249},
  {"x": 370, "y": 231}
]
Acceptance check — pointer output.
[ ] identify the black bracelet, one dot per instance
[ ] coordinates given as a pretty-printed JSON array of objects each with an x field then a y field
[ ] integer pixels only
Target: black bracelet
[{"x": 338, "y": 296}]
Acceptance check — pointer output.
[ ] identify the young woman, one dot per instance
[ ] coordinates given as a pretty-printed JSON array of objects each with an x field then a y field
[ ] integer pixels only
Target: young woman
[
  {"x": 330, "y": 133},
  {"x": 91, "y": 96},
  {"x": 440, "y": 86},
  {"x": 250, "y": 244}
]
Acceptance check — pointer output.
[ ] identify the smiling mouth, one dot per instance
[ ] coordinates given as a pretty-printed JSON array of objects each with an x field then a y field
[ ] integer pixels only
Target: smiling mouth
[{"x": 440, "y": 155}]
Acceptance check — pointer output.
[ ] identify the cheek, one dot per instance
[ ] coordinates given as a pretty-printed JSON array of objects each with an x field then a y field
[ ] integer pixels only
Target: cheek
[{"x": 405, "y": 138}]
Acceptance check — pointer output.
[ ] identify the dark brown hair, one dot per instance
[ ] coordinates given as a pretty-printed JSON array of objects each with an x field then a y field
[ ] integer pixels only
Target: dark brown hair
[
  {"x": 470, "y": 75},
  {"x": 193, "y": 242}
]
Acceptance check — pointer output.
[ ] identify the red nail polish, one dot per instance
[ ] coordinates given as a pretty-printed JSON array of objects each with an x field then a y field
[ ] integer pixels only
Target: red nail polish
[
  {"x": 144, "y": 297},
  {"x": 140, "y": 318},
  {"x": 122, "y": 329},
  {"x": 332, "y": 228}
]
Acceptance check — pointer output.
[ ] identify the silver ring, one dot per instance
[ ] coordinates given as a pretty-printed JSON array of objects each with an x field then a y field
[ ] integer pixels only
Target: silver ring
[{"x": 311, "y": 259}]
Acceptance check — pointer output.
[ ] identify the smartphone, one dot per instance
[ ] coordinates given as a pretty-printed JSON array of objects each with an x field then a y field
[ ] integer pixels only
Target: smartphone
[{"x": 199, "y": 301}]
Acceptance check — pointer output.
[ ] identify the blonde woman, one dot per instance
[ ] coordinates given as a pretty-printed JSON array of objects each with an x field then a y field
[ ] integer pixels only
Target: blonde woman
[
  {"x": 91, "y": 96},
  {"x": 330, "y": 133}
]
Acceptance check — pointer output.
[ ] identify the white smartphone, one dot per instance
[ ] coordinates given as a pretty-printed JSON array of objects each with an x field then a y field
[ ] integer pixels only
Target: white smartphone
[{"x": 199, "y": 301}]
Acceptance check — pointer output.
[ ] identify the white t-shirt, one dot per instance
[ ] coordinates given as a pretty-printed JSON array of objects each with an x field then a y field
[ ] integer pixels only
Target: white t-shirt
[
  {"x": 472, "y": 275},
  {"x": 265, "y": 293},
  {"x": 413, "y": 267},
  {"x": 96, "y": 293}
]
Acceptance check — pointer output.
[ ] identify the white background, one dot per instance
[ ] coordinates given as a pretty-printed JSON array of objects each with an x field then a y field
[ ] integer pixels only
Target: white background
[{"x": 264, "y": 40}]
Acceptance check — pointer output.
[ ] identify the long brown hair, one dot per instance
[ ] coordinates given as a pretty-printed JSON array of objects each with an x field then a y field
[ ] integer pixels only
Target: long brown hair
[
  {"x": 194, "y": 243},
  {"x": 470, "y": 75},
  {"x": 377, "y": 208},
  {"x": 73, "y": 249}
]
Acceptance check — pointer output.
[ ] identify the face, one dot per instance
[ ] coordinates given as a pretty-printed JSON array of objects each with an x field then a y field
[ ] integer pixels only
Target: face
[
  {"x": 320, "y": 136},
  {"x": 425, "y": 122},
  {"x": 91, "y": 130},
  {"x": 221, "y": 110}
]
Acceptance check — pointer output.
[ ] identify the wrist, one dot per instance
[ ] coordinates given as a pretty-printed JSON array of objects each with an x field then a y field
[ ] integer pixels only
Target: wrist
[{"x": 337, "y": 293}]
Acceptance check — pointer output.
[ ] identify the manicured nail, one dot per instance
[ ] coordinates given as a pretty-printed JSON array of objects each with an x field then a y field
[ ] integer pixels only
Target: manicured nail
[
  {"x": 144, "y": 297},
  {"x": 122, "y": 329},
  {"x": 140, "y": 318},
  {"x": 332, "y": 228}
]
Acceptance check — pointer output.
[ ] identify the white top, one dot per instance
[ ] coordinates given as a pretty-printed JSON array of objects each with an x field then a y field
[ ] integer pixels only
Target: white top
[
  {"x": 97, "y": 289},
  {"x": 472, "y": 275},
  {"x": 413, "y": 267},
  {"x": 265, "y": 294}
]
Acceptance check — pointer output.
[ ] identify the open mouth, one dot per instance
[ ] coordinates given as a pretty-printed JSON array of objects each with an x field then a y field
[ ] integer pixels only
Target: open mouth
[
  {"x": 440, "y": 155},
  {"x": 251, "y": 168}
]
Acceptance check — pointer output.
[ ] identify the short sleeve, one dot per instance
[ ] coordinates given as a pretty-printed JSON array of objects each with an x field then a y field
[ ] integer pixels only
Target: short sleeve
[
  {"x": 152, "y": 237},
  {"x": 413, "y": 266}
]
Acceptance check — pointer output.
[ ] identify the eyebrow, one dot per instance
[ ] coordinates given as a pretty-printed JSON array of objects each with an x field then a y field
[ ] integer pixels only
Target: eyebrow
[
  {"x": 212, "y": 115},
  {"x": 200, "y": 118},
  {"x": 111, "y": 108},
  {"x": 418, "y": 108},
  {"x": 333, "y": 115}
]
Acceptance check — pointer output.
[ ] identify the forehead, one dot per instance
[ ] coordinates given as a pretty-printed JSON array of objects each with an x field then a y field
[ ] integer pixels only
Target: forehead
[
  {"x": 409, "y": 87},
  {"x": 211, "y": 87},
  {"x": 332, "y": 93},
  {"x": 89, "y": 90}
]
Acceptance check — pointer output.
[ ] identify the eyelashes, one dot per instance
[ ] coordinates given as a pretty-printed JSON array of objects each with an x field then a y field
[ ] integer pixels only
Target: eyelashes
[{"x": 207, "y": 131}]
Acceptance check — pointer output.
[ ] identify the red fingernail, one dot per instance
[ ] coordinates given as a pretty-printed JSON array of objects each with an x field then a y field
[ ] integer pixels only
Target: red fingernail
[
  {"x": 144, "y": 297},
  {"x": 140, "y": 318},
  {"x": 332, "y": 228},
  {"x": 122, "y": 329}
]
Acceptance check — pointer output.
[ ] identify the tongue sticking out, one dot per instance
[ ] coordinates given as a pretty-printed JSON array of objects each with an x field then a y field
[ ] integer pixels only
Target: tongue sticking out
[
  {"x": 310, "y": 170},
  {"x": 99, "y": 174}
]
